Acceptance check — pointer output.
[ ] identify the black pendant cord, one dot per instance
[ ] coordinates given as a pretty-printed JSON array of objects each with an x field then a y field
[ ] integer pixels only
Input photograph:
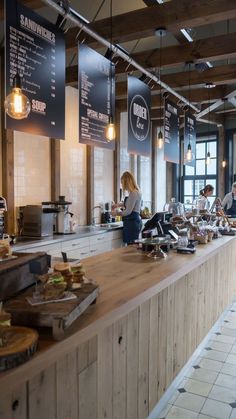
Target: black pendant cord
[
  {"x": 111, "y": 39},
  {"x": 189, "y": 76},
  {"x": 160, "y": 63}
]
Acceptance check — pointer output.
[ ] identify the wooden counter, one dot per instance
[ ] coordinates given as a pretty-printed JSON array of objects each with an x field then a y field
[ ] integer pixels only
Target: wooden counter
[{"x": 121, "y": 355}]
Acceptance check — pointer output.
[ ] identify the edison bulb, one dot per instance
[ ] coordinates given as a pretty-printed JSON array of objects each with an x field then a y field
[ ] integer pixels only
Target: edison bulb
[
  {"x": 16, "y": 104},
  {"x": 160, "y": 140},
  {"x": 110, "y": 131}
]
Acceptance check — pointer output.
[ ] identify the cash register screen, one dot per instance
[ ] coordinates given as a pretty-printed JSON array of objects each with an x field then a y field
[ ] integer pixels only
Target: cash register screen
[{"x": 158, "y": 217}]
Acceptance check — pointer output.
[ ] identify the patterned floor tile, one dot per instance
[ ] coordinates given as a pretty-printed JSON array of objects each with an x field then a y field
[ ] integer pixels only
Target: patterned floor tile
[
  {"x": 220, "y": 346},
  {"x": 201, "y": 374},
  {"x": 228, "y": 369},
  {"x": 210, "y": 364},
  {"x": 222, "y": 394},
  {"x": 190, "y": 401},
  {"x": 212, "y": 354},
  {"x": 225, "y": 380},
  {"x": 198, "y": 387},
  {"x": 224, "y": 338},
  {"x": 231, "y": 359},
  {"x": 178, "y": 413},
  {"x": 217, "y": 409}
]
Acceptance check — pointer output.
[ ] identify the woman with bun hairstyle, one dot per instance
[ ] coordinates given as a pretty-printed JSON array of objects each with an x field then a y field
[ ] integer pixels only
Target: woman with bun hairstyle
[
  {"x": 132, "y": 223},
  {"x": 203, "y": 202}
]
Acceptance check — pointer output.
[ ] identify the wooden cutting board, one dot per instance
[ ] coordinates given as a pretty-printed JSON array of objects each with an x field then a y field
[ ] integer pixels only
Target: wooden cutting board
[
  {"x": 58, "y": 315},
  {"x": 21, "y": 344}
]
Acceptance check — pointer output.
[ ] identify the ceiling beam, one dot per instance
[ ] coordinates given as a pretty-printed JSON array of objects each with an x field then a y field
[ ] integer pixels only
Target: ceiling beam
[
  {"x": 216, "y": 104},
  {"x": 142, "y": 23},
  {"x": 211, "y": 49}
]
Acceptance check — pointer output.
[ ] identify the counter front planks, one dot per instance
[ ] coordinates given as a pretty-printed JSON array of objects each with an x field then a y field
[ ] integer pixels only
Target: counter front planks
[{"x": 122, "y": 354}]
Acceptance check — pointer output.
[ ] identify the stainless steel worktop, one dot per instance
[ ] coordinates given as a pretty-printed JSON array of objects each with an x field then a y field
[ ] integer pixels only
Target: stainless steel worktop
[{"x": 82, "y": 231}]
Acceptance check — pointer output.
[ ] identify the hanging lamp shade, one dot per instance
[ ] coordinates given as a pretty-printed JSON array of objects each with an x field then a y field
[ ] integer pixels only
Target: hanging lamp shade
[{"x": 16, "y": 104}]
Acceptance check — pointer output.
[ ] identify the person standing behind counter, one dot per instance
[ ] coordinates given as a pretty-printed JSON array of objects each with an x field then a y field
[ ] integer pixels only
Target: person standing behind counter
[
  {"x": 203, "y": 202},
  {"x": 229, "y": 202},
  {"x": 132, "y": 223}
]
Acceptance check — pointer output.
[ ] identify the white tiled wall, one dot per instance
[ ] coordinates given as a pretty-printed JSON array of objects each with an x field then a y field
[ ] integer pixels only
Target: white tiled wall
[
  {"x": 103, "y": 175},
  {"x": 31, "y": 169},
  {"x": 73, "y": 160}
]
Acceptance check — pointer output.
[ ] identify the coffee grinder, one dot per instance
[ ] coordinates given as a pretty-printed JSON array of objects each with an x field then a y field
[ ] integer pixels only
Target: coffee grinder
[{"x": 106, "y": 213}]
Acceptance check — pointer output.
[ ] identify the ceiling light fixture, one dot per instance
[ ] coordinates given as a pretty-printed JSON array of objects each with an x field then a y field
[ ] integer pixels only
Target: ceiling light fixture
[
  {"x": 160, "y": 137},
  {"x": 210, "y": 85},
  {"x": 224, "y": 163},
  {"x": 189, "y": 153},
  {"x": 208, "y": 156},
  {"x": 110, "y": 131},
  {"x": 16, "y": 104},
  {"x": 187, "y": 34}
]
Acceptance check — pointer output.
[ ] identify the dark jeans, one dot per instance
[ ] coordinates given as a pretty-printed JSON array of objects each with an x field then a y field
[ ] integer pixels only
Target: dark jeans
[{"x": 132, "y": 226}]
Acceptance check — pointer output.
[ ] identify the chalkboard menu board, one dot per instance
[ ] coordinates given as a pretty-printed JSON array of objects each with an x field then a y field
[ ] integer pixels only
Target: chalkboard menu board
[
  {"x": 172, "y": 145},
  {"x": 189, "y": 137},
  {"x": 139, "y": 102},
  {"x": 96, "y": 78},
  {"x": 36, "y": 48}
]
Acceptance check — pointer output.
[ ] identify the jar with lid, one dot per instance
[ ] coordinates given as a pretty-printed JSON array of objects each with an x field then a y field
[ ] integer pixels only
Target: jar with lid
[{"x": 183, "y": 238}]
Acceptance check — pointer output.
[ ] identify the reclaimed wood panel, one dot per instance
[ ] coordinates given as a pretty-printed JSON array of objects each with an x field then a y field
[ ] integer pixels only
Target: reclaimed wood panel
[
  {"x": 14, "y": 405},
  {"x": 143, "y": 367},
  {"x": 67, "y": 387},
  {"x": 105, "y": 373},
  {"x": 153, "y": 351},
  {"x": 119, "y": 368},
  {"x": 132, "y": 364},
  {"x": 42, "y": 395}
]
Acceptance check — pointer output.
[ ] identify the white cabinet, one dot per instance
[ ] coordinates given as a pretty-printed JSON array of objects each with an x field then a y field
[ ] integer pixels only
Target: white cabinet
[{"x": 80, "y": 248}]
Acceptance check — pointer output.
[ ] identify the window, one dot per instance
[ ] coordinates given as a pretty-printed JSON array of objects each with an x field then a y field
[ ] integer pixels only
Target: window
[{"x": 195, "y": 178}]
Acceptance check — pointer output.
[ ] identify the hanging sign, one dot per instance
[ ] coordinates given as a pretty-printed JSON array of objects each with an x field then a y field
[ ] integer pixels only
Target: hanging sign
[
  {"x": 36, "y": 49},
  {"x": 171, "y": 132},
  {"x": 189, "y": 137},
  {"x": 96, "y": 100},
  {"x": 139, "y": 103}
]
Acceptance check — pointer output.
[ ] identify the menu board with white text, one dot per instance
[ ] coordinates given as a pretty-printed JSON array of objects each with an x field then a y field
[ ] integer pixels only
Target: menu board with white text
[
  {"x": 36, "y": 49},
  {"x": 171, "y": 131},
  {"x": 96, "y": 97}
]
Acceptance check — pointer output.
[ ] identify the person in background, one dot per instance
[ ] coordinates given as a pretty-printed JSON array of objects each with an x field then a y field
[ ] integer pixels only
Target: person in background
[
  {"x": 203, "y": 201},
  {"x": 132, "y": 223},
  {"x": 229, "y": 202}
]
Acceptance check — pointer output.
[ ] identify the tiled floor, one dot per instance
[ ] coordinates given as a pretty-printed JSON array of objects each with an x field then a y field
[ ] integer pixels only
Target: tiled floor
[{"x": 208, "y": 389}]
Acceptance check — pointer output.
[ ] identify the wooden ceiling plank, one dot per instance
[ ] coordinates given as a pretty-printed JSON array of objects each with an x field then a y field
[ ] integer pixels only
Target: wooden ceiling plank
[
  {"x": 142, "y": 23},
  {"x": 32, "y": 4},
  {"x": 211, "y": 49}
]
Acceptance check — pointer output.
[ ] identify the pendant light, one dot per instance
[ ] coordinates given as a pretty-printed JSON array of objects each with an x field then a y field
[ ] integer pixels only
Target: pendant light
[
  {"x": 208, "y": 156},
  {"x": 224, "y": 163},
  {"x": 16, "y": 104},
  {"x": 160, "y": 137},
  {"x": 189, "y": 154},
  {"x": 110, "y": 132}
]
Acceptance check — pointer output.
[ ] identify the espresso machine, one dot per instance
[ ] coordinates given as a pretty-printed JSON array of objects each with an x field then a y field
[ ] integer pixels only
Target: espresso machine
[{"x": 63, "y": 220}]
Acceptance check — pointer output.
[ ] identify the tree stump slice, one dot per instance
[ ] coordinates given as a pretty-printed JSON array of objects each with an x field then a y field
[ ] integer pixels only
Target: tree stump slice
[{"x": 21, "y": 344}]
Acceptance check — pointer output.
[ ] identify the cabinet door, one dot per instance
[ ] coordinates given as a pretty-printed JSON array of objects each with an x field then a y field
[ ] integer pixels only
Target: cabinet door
[
  {"x": 51, "y": 249},
  {"x": 79, "y": 253},
  {"x": 74, "y": 244}
]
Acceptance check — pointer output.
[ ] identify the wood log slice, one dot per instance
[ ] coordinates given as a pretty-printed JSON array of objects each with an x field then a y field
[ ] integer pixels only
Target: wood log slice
[{"x": 21, "y": 344}]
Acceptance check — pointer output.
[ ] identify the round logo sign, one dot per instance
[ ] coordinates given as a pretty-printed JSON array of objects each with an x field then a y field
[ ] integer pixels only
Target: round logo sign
[{"x": 139, "y": 117}]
